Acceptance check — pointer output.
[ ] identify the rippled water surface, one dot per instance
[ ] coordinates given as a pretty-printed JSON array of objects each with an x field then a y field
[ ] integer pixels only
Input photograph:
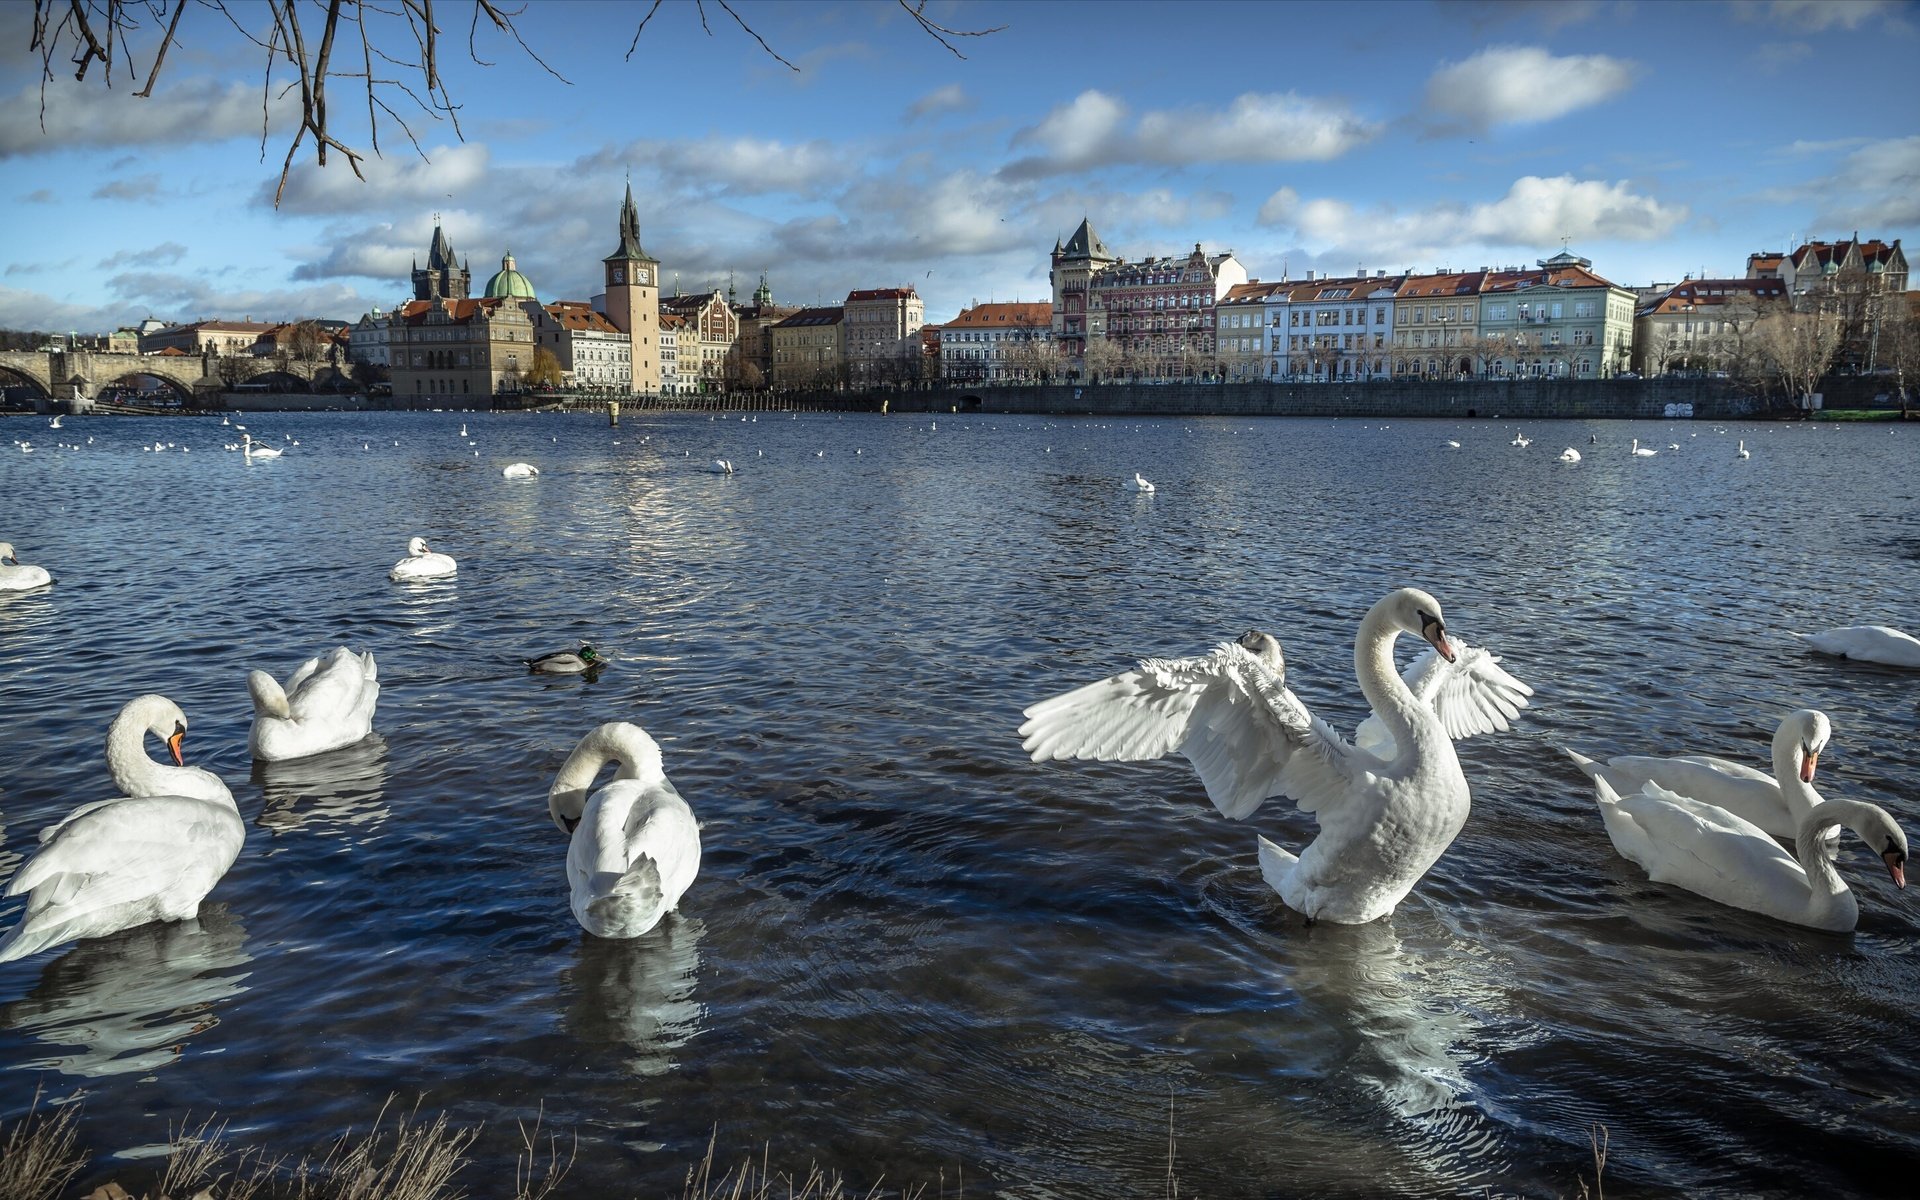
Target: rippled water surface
[{"x": 910, "y": 951}]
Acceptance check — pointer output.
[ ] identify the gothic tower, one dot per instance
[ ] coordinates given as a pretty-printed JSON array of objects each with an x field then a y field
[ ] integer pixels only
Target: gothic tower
[
  {"x": 443, "y": 279},
  {"x": 633, "y": 299}
]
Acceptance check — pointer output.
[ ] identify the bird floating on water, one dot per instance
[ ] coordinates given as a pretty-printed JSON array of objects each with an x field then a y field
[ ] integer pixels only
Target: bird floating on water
[
  {"x": 422, "y": 563},
  {"x": 1569, "y": 455},
  {"x": 1139, "y": 483},
  {"x": 566, "y": 662}
]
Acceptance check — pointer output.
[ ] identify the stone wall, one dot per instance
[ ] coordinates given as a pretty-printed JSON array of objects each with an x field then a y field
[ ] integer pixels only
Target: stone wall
[{"x": 1710, "y": 398}]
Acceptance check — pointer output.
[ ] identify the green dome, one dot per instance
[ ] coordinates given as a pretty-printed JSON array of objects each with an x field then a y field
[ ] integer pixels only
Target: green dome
[{"x": 509, "y": 284}]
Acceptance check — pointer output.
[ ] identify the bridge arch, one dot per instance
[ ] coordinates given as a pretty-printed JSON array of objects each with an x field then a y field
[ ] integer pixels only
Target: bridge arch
[
  {"x": 181, "y": 389},
  {"x": 12, "y": 376}
]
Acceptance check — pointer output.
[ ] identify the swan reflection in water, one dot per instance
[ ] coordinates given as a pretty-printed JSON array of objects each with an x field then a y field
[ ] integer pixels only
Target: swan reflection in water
[
  {"x": 340, "y": 792},
  {"x": 130, "y": 1003},
  {"x": 638, "y": 992}
]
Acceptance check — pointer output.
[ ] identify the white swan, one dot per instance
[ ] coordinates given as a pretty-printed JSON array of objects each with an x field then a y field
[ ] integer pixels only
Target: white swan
[
  {"x": 422, "y": 563},
  {"x": 1639, "y": 453},
  {"x": 1776, "y": 803},
  {"x": 1710, "y": 852},
  {"x": 1452, "y": 445},
  {"x": 248, "y": 448},
  {"x": 1521, "y": 440},
  {"x": 151, "y": 856},
  {"x": 1868, "y": 643},
  {"x": 327, "y": 703},
  {"x": 16, "y": 577},
  {"x": 1569, "y": 455},
  {"x": 1138, "y": 483},
  {"x": 720, "y": 466},
  {"x": 1743, "y": 452},
  {"x": 520, "y": 470},
  {"x": 635, "y": 846},
  {"x": 1383, "y": 821}
]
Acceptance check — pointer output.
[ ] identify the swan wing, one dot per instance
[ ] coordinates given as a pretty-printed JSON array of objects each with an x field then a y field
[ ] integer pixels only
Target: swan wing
[
  {"x": 329, "y": 692},
  {"x": 124, "y": 851},
  {"x": 1471, "y": 695},
  {"x": 1226, "y": 712},
  {"x": 1869, "y": 643},
  {"x": 1713, "y": 853}
]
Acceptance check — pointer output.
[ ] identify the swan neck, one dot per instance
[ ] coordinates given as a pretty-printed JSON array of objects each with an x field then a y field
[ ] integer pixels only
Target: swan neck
[
  {"x": 1385, "y": 691},
  {"x": 269, "y": 698},
  {"x": 1810, "y": 838},
  {"x": 616, "y": 741},
  {"x": 137, "y": 775},
  {"x": 1800, "y": 798}
]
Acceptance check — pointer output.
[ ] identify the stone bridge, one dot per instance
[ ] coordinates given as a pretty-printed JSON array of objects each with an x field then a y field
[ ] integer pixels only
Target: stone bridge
[{"x": 65, "y": 374}]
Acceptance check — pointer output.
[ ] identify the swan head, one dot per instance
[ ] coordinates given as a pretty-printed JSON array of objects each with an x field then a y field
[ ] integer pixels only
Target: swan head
[
  {"x": 1802, "y": 737},
  {"x": 417, "y": 547},
  {"x": 163, "y": 719},
  {"x": 1266, "y": 648},
  {"x": 1414, "y": 611},
  {"x": 7, "y": 554},
  {"x": 1877, "y": 828}
]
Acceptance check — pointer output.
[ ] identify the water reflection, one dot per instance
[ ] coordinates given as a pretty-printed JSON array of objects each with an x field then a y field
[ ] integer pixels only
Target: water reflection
[
  {"x": 638, "y": 993},
  {"x": 341, "y": 792},
  {"x": 130, "y": 1003}
]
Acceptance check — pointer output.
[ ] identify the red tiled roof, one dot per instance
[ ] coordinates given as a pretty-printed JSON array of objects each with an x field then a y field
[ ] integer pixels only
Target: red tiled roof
[
  {"x": 169, "y": 352},
  {"x": 1690, "y": 294},
  {"x": 1007, "y": 313},
  {"x": 415, "y": 312},
  {"x": 579, "y": 315}
]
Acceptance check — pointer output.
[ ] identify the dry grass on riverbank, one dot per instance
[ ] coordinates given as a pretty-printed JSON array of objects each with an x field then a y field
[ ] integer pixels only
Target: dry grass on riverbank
[{"x": 403, "y": 1157}]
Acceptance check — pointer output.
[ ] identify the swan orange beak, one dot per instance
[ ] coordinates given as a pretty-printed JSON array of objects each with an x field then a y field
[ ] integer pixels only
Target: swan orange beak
[
  {"x": 1436, "y": 635},
  {"x": 1896, "y": 867},
  {"x": 1806, "y": 767},
  {"x": 173, "y": 747}
]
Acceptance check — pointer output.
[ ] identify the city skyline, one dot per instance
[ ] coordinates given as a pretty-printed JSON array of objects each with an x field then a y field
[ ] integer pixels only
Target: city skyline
[{"x": 1658, "y": 141}]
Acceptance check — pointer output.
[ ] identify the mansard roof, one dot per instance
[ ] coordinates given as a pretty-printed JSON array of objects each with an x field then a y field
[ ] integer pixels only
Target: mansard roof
[
  {"x": 814, "y": 316},
  {"x": 905, "y": 293},
  {"x": 1016, "y": 313}
]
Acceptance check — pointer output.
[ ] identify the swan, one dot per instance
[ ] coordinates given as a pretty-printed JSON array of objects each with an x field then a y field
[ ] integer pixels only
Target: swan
[
  {"x": 1521, "y": 440},
  {"x": 422, "y": 563},
  {"x": 251, "y": 450},
  {"x": 1138, "y": 483},
  {"x": 520, "y": 470},
  {"x": 1452, "y": 445},
  {"x": 566, "y": 662},
  {"x": 1743, "y": 452},
  {"x": 1639, "y": 453},
  {"x": 1383, "y": 820},
  {"x": 1569, "y": 455},
  {"x": 1868, "y": 643},
  {"x": 1775, "y": 803},
  {"x": 1712, "y": 853},
  {"x": 634, "y": 845},
  {"x": 152, "y": 855},
  {"x": 463, "y": 429},
  {"x": 327, "y": 703},
  {"x": 720, "y": 466},
  {"x": 17, "y": 577}
]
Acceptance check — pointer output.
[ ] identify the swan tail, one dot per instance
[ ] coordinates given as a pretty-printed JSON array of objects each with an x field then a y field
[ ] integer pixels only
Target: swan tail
[
  {"x": 633, "y": 905},
  {"x": 1586, "y": 764},
  {"x": 21, "y": 941},
  {"x": 1276, "y": 865}
]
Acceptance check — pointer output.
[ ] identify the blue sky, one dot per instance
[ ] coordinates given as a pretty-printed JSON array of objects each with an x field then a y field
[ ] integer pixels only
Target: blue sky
[{"x": 1662, "y": 139}]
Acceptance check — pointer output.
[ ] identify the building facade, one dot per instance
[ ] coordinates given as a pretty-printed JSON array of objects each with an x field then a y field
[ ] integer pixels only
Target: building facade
[
  {"x": 707, "y": 339},
  {"x": 1702, "y": 325},
  {"x": 998, "y": 343},
  {"x": 453, "y": 351},
  {"x": 1159, "y": 312},
  {"x": 808, "y": 350},
  {"x": 591, "y": 352},
  {"x": 1559, "y": 321},
  {"x": 632, "y": 278},
  {"x": 752, "y": 362},
  {"x": 1436, "y": 325},
  {"x": 442, "y": 278},
  {"x": 881, "y": 330},
  {"x": 1077, "y": 318}
]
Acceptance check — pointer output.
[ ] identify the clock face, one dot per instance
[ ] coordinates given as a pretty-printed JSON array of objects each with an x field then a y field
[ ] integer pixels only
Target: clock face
[
  {"x": 619, "y": 275},
  {"x": 640, "y": 275}
]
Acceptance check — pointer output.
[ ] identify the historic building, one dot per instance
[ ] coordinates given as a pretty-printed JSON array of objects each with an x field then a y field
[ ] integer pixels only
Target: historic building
[
  {"x": 1334, "y": 329},
  {"x": 590, "y": 351},
  {"x": 1159, "y": 311},
  {"x": 752, "y": 362},
  {"x": 442, "y": 278},
  {"x": 1076, "y": 315},
  {"x": 1702, "y": 325},
  {"x": 1561, "y": 320},
  {"x": 632, "y": 300},
  {"x": 206, "y": 337},
  {"x": 881, "y": 334},
  {"x": 672, "y": 326},
  {"x": 454, "y": 351},
  {"x": 1436, "y": 325},
  {"x": 1813, "y": 265},
  {"x": 997, "y": 343},
  {"x": 707, "y": 341},
  {"x": 1242, "y": 331},
  {"x": 367, "y": 339},
  {"x": 809, "y": 349}
]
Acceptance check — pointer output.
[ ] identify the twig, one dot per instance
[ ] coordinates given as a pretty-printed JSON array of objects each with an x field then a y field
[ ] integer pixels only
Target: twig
[
  {"x": 636, "y": 32},
  {"x": 179, "y": 8},
  {"x": 940, "y": 33}
]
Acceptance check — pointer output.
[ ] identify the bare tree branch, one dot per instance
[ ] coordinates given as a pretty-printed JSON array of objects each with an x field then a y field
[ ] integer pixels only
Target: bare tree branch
[
  {"x": 940, "y": 33},
  {"x": 179, "y": 9},
  {"x": 756, "y": 37},
  {"x": 636, "y": 32}
]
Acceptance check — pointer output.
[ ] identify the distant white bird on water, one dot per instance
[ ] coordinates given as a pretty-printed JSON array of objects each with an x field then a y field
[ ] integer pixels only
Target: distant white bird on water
[
  {"x": 1452, "y": 445},
  {"x": 1139, "y": 483},
  {"x": 1521, "y": 440},
  {"x": 1569, "y": 455},
  {"x": 463, "y": 429},
  {"x": 720, "y": 466},
  {"x": 248, "y": 448},
  {"x": 14, "y": 577},
  {"x": 54, "y": 424},
  {"x": 1639, "y": 453},
  {"x": 1743, "y": 452},
  {"x": 520, "y": 470}
]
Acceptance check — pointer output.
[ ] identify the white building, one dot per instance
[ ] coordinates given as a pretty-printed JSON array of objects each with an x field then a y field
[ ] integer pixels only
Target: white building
[{"x": 999, "y": 343}]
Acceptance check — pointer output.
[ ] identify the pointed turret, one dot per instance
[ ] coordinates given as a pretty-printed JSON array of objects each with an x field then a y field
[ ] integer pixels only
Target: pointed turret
[
  {"x": 629, "y": 250},
  {"x": 440, "y": 256},
  {"x": 1085, "y": 243}
]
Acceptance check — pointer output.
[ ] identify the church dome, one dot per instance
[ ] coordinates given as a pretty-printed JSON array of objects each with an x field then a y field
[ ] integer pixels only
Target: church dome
[{"x": 509, "y": 284}]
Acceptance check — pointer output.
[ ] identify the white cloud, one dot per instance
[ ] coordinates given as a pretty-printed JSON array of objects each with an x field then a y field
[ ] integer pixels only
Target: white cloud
[
  {"x": 137, "y": 187},
  {"x": 1524, "y": 85},
  {"x": 1534, "y": 214},
  {"x": 951, "y": 98},
  {"x": 402, "y": 178},
  {"x": 198, "y": 109},
  {"x": 1818, "y": 16},
  {"x": 1091, "y": 131},
  {"x": 747, "y": 166},
  {"x": 166, "y": 253},
  {"x": 1876, "y": 190}
]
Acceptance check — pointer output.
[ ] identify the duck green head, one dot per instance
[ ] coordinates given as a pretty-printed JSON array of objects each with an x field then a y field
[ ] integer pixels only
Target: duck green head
[{"x": 588, "y": 654}]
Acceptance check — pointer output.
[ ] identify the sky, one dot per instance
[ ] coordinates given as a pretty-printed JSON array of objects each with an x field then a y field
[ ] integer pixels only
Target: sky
[{"x": 1659, "y": 140}]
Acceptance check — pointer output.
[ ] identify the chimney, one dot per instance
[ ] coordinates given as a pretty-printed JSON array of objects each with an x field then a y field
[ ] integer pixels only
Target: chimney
[{"x": 1309, "y": 274}]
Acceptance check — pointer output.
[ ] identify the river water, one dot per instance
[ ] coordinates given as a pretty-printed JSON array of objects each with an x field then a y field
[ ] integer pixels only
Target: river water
[{"x": 911, "y": 953}]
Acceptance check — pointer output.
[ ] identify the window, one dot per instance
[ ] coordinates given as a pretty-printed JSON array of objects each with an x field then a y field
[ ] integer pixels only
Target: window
[
  {"x": 1419, "y": 314},
  {"x": 1379, "y": 316}
]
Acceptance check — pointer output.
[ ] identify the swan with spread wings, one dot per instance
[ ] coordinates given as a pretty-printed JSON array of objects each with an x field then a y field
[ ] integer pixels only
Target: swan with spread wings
[{"x": 1388, "y": 804}]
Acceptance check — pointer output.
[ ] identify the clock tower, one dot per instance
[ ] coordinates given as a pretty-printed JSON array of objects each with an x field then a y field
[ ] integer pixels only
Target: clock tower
[{"x": 633, "y": 299}]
